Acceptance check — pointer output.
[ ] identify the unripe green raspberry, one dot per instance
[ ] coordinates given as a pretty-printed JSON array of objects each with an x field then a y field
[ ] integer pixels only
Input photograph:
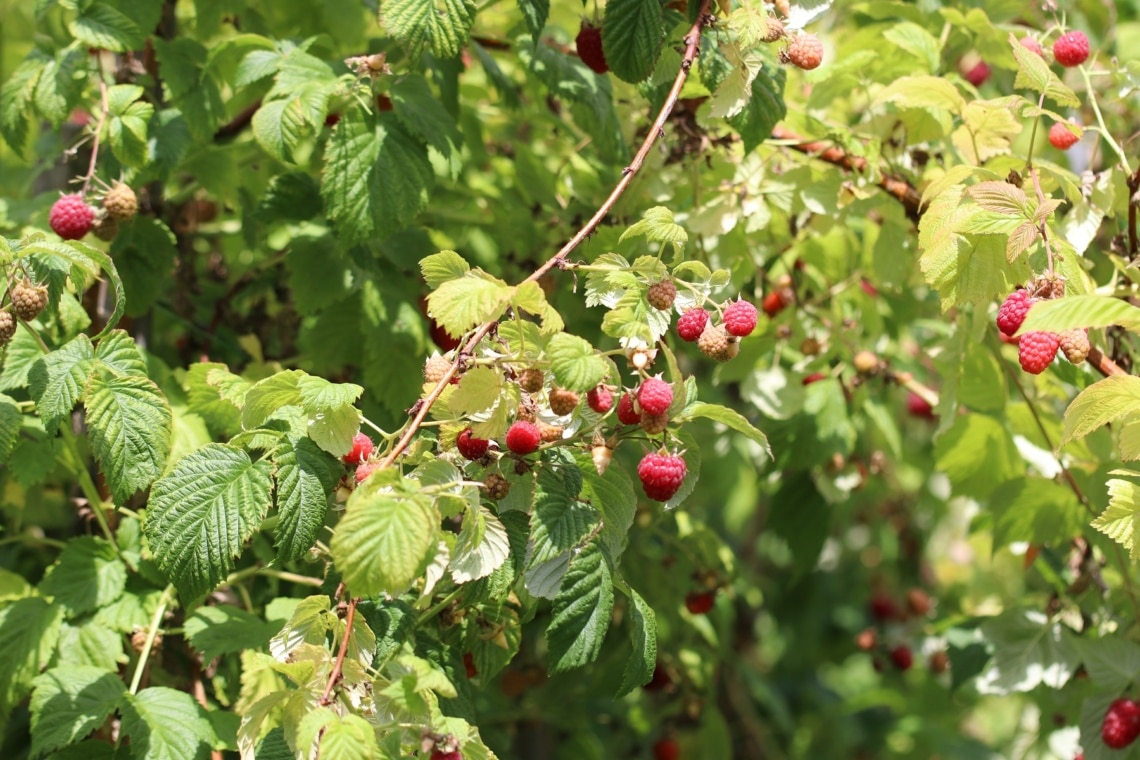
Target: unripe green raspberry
[{"x": 120, "y": 202}]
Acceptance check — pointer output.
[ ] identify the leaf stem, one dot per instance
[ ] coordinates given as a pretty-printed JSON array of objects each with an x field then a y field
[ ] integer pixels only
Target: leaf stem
[
  {"x": 151, "y": 635},
  {"x": 334, "y": 676}
]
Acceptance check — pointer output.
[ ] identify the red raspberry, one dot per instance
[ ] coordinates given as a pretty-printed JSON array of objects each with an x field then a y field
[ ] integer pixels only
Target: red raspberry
[
  {"x": 699, "y": 602},
  {"x": 691, "y": 324},
  {"x": 814, "y": 377},
  {"x": 917, "y": 406},
  {"x": 589, "y": 44},
  {"x": 1012, "y": 311},
  {"x": 523, "y": 437},
  {"x": 1121, "y": 723},
  {"x": 977, "y": 74},
  {"x": 361, "y": 449},
  {"x": 666, "y": 749},
  {"x": 804, "y": 52},
  {"x": 661, "y": 475},
  {"x": 1071, "y": 49},
  {"x": 70, "y": 217},
  {"x": 600, "y": 399},
  {"x": 740, "y": 318},
  {"x": 1032, "y": 45},
  {"x": 655, "y": 396},
  {"x": 470, "y": 447},
  {"x": 440, "y": 755},
  {"x": 774, "y": 302},
  {"x": 902, "y": 657},
  {"x": 1036, "y": 350},
  {"x": 366, "y": 469},
  {"x": 1061, "y": 138},
  {"x": 882, "y": 607},
  {"x": 626, "y": 412},
  {"x": 660, "y": 680}
]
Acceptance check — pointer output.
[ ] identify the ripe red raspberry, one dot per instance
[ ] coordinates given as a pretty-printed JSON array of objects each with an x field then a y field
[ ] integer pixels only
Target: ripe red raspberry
[
  {"x": 600, "y": 399},
  {"x": 627, "y": 413},
  {"x": 661, "y": 475},
  {"x": 8, "y": 329},
  {"x": 1012, "y": 311},
  {"x": 361, "y": 449},
  {"x": 775, "y": 302},
  {"x": 976, "y": 74},
  {"x": 1036, "y": 350},
  {"x": 562, "y": 401},
  {"x": 661, "y": 294},
  {"x": 666, "y": 749},
  {"x": 804, "y": 52},
  {"x": 655, "y": 396},
  {"x": 740, "y": 318},
  {"x": 120, "y": 202},
  {"x": 1071, "y": 49},
  {"x": 366, "y": 469},
  {"x": 902, "y": 657},
  {"x": 917, "y": 406},
  {"x": 1061, "y": 138},
  {"x": 1032, "y": 45},
  {"x": 1075, "y": 345},
  {"x": 589, "y": 44},
  {"x": 1121, "y": 723},
  {"x": 699, "y": 602},
  {"x": 28, "y": 300},
  {"x": 691, "y": 324},
  {"x": 882, "y": 607},
  {"x": 70, "y": 217},
  {"x": 523, "y": 437},
  {"x": 531, "y": 380},
  {"x": 441, "y": 755},
  {"x": 814, "y": 377},
  {"x": 471, "y": 447}
]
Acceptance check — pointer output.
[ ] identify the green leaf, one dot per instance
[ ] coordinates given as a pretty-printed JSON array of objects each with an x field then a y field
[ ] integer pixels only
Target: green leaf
[
  {"x": 119, "y": 354},
  {"x": 441, "y": 25},
  {"x": 462, "y": 304},
  {"x": 575, "y": 363},
  {"x": 1072, "y": 312},
  {"x": 164, "y": 724},
  {"x": 479, "y": 388},
  {"x": 978, "y": 454},
  {"x": 59, "y": 86},
  {"x": 270, "y": 395},
  {"x": 1035, "y": 511},
  {"x": 69, "y": 703},
  {"x": 88, "y": 575},
  {"x": 201, "y": 513},
  {"x": 348, "y": 737},
  {"x": 581, "y": 613},
  {"x": 222, "y": 629},
  {"x": 1029, "y": 650},
  {"x": 1108, "y": 400},
  {"x": 128, "y": 124},
  {"x": 20, "y": 356},
  {"x": 643, "y": 638},
  {"x": 59, "y": 380},
  {"x": 29, "y": 630},
  {"x": 424, "y": 116},
  {"x": 657, "y": 225},
  {"x": 10, "y": 421},
  {"x": 205, "y": 400},
  {"x": 443, "y": 266},
  {"x": 559, "y": 521},
  {"x": 382, "y": 544},
  {"x": 90, "y": 644},
  {"x": 535, "y": 13},
  {"x": 100, "y": 25},
  {"x": 482, "y": 547},
  {"x": 1113, "y": 663},
  {"x": 632, "y": 36},
  {"x": 730, "y": 418},
  {"x": 612, "y": 494},
  {"x": 130, "y": 425},
  {"x": 16, "y": 101},
  {"x": 305, "y": 478},
  {"x": 1119, "y": 521},
  {"x": 144, "y": 251},
  {"x": 278, "y": 127},
  {"x": 1034, "y": 73}
]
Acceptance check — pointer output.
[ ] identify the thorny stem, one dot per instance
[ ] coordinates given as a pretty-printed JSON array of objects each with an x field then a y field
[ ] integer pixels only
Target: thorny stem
[
  {"x": 335, "y": 675},
  {"x": 656, "y": 131}
]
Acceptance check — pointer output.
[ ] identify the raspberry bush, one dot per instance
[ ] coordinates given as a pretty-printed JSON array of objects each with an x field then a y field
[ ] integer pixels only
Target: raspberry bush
[{"x": 294, "y": 453}]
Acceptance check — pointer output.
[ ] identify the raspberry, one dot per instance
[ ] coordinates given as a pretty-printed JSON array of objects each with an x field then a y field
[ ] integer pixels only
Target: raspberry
[
  {"x": 1061, "y": 137},
  {"x": 1071, "y": 49},
  {"x": 654, "y": 424},
  {"x": 917, "y": 406},
  {"x": 775, "y": 302},
  {"x": 1036, "y": 350},
  {"x": 550, "y": 433},
  {"x": 666, "y": 749},
  {"x": 440, "y": 755},
  {"x": 804, "y": 52},
  {"x": 589, "y": 44},
  {"x": 497, "y": 486},
  {"x": 435, "y": 368},
  {"x": 882, "y": 607},
  {"x": 523, "y": 437},
  {"x": 531, "y": 380},
  {"x": 7, "y": 327},
  {"x": 627, "y": 414},
  {"x": 918, "y": 602},
  {"x": 661, "y": 294},
  {"x": 562, "y": 401},
  {"x": 105, "y": 227},
  {"x": 740, "y": 318},
  {"x": 939, "y": 662},
  {"x": 774, "y": 32},
  {"x": 1075, "y": 345},
  {"x": 600, "y": 399},
  {"x": 366, "y": 469},
  {"x": 783, "y": 7},
  {"x": 714, "y": 344},
  {"x": 866, "y": 363},
  {"x": 661, "y": 475},
  {"x": 660, "y": 680},
  {"x": 471, "y": 447},
  {"x": 974, "y": 70},
  {"x": 28, "y": 300},
  {"x": 361, "y": 449},
  {"x": 814, "y": 377},
  {"x": 1012, "y": 311},
  {"x": 691, "y": 324},
  {"x": 867, "y": 639},
  {"x": 70, "y": 217},
  {"x": 1121, "y": 723},
  {"x": 1032, "y": 45},
  {"x": 699, "y": 602},
  {"x": 120, "y": 202},
  {"x": 602, "y": 456},
  {"x": 654, "y": 396},
  {"x": 902, "y": 657}
]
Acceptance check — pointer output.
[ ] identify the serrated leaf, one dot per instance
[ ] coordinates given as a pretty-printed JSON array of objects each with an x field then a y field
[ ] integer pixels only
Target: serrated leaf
[
  {"x": 580, "y": 616},
  {"x": 730, "y": 418},
  {"x": 535, "y": 13},
  {"x": 202, "y": 512},
  {"x": 657, "y": 225},
  {"x": 482, "y": 546},
  {"x": 643, "y": 639},
  {"x": 1110, "y": 399},
  {"x": 383, "y": 543},
  {"x": 119, "y": 353},
  {"x": 462, "y": 304},
  {"x": 440, "y": 267},
  {"x": 1120, "y": 520},
  {"x": 613, "y": 495},
  {"x": 100, "y": 25},
  {"x": 16, "y": 96},
  {"x": 1071, "y": 312},
  {"x": 269, "y": 395},
  {"x": 29, "y": 630},
  {"x": 422, "y": 113},
  {"x": 441, "y": 25},
  {"x": 10, "y": 421},
  {"x": 479, "y": 388},
  {"x": 130, "y": 424},
  {"x": 575, "y": 363},
  {"x": 1035, "y": 511},
  {"x": 205, "y": 399},
  {"x": 164, "y": 724},
  {"x": 1029, "y": 650},
  {"x": 87, "y": 576},
  {"x": 305, "y": 478},
  {"x": 1000, "y": 197},
  {"x": 559, "y": 521},
  {"x": 632, "y": 36},
  {"x": 59, "y": 380},
  {"x": 1034, "y": 73},
  {"x": 222, "y": 629},
  {"x": 90, "y": 644},
  {"x": 69, "y": 703},
  {"x": 278, "y": 126},
  {"x": 348, "y": 737},
  {"x": 1112, "y": 663}
]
